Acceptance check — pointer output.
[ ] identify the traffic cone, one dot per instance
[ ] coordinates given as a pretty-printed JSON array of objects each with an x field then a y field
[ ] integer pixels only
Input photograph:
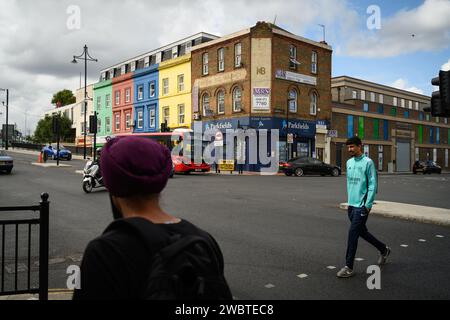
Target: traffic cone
[{"x": 40, "y": 157}]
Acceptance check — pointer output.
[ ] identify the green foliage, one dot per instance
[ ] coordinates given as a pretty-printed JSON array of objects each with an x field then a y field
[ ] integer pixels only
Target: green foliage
[
  {"x": 44, "y": 130},
  {"x": 65, "y": 97}
]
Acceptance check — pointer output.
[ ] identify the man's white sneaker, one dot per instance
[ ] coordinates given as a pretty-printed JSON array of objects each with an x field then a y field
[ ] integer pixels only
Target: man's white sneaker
[
  {"x": 383, "y": 257},
  {"x": 345, "y": 272}
]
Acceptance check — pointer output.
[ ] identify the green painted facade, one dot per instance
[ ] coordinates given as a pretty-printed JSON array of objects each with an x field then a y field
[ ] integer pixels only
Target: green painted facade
[{"x": 103, "y": 106}]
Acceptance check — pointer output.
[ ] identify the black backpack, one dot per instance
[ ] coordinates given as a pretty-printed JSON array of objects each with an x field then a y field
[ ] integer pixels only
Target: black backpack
[{"x": 183, "y": 268}]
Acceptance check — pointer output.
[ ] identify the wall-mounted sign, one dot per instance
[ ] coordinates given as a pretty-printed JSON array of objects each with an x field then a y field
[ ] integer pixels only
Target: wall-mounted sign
[
  {"x": 332, "y": 133},
  {"x": 261, "y": 99},
  {"x": 296, "y": 77}
]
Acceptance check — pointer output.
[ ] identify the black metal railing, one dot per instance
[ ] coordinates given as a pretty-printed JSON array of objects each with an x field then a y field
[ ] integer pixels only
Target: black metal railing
[{"x": 43, "y": 222}]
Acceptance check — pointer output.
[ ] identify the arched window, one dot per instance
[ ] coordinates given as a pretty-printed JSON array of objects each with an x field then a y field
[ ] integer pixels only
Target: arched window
[
  {"x": 237, "y": 99},
  {"x": 221, "y": 102},
  {"x": 205, "y": 104},
  {"x": 292, "y": 100},
  {"x": 313, "y": 104}
]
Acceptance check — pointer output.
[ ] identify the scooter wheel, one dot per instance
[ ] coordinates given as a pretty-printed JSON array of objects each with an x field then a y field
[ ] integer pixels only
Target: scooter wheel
[{"x": 87, "y": 187}]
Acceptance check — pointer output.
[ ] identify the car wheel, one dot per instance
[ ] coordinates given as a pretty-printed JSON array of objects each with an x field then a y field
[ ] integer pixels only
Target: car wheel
[
  {"x": 8, "y": 171},
  {"x": 335, "y": 173},
  {"x": 87, "y": 187},
  {"x": 69, "y": 157},
  {"x": 299, "y": 172}
]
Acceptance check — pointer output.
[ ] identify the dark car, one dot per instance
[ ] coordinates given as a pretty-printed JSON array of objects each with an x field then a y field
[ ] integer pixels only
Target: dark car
[
  {"x": 305, "y": 165},
  {"x": 6, "y": 162},
  {"x": 426, "y": 167}
]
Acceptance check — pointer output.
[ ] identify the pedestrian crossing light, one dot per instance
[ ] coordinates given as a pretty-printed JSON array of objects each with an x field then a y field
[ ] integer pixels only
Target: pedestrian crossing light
[{"x": 440, "y": 100}]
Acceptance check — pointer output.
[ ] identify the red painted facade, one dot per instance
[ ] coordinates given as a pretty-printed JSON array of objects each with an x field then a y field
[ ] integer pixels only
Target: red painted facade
[{"x": 122, "y": 104}]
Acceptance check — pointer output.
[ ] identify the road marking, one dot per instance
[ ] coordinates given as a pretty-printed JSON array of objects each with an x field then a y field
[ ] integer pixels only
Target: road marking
[
  {"x": 331, "y": 267},
  {"x": 404, "y": 245},
  {"x": 422, "y": 240},
  {"x": 439, "y": 236},
  {"x": 269, "y": 286},
  {"x": 79, "y": 171},
  {"x": 302, "y": 276},
  {"x": 359, "y": 259}
]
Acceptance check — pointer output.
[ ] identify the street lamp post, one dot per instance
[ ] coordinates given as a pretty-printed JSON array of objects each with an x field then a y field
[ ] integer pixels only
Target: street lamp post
[
  {"x": 7, "y": 103},
  {"x": 86, "y": 57}
]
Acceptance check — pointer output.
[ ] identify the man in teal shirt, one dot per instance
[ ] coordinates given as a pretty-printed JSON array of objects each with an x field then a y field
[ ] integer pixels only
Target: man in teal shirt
[{"x": 361, "y": 189}]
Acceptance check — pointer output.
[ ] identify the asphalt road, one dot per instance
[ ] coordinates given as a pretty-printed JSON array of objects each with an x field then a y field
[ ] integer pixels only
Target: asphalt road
[{"x": 271, "y": 230}]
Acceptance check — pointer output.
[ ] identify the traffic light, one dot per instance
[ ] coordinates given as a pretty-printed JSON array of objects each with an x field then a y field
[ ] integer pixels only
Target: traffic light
[
  {"x": 55, "y": 124},
  {"x": 440, "y": 100},
  {"x": 93, "y": 124}
]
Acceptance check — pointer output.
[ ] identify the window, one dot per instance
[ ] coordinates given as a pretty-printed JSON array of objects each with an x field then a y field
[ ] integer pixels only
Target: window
[
  {"x": 417, "y": 105},
  {"x": 108, "y": 124},
  {"x": 181, "y": 113},
  {"x": 221, "y": 102},
  {"x": 386, "y": 129},
  {"x": 366, "y": 107},
  {"x": 140, "y": 119},
  {"x": 446, "y": 120},
  {"x": 146, "y": 62},
  {"x": 205, "y": 63},
  {"x": 166, "y": 114},
  {"x": 393, "y": 111},
  {"x": 108, "y": 100},
  {"x": 313, "y": 104},
  {"x": 292, "y": 57},
  {"x": 420, "y": 135},
  {"x": 372, "y": 96},
  {"x": 350, "y": 129},
  {"x": 237, "y": 55},
  {"x": 438, "y": 138},
  {"x": 152, "y": 116},
  {"x": 427, "y": 117},
  {"x": 363, "y": 95},
  {"x": 99, "y": 103},
  {"x": 380, "y": 109},
  {"x": 354, "y": 94},
  {"x": 205, "y": 104},
  {"x": 83, "y": 127},
  {"x": 99, "y": 124},
  {"x": 127, "y": 94},
  {"x": 437, "y": 119},
  {"x": 380, "y": 98},
  {"x": 123, "y": 69},
  {"x": 221, "y": 59},
  {"x": 421, "y": 116},
  {"x": 361, "y": 128},
  {"x": 140, "y": 92},
  {"x": 237, "y": 99},
  {"x": 314, "y": 62},
  {"x": 152, "y": 89},
  {"x": 376, "y": 129},
  {"x": 410, "y": 104},
  {"x": 181, "y": 82},
  {"x": 117, "y": 122},
  {"x": 128, "y": 120},
  {"x": 292, "y": 100},
  {"x": 165, "y": 86},
  {"x": 117, "y": 97},
  {"x": 431, "y": 135},
  {"x": 406, "y": 114},
  {"x": 395, "y": 101},
  {"x": 402, "y": 101}
]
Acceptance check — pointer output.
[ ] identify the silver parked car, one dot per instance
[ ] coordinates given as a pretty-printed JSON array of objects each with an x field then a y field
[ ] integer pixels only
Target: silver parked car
[{"x": 6, "y": 162}]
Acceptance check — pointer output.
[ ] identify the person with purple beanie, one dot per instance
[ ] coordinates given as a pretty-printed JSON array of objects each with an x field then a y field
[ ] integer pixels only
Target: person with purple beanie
[{"x": 118, "y": 264}]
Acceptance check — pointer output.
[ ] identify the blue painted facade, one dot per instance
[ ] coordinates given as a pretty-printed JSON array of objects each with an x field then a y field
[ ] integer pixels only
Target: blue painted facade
[{"x": 148, "y": 105}]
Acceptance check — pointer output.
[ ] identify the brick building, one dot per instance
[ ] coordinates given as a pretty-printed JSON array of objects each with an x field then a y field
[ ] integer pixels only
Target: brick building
[
  {"x": 250, "y": 79},
  {"x": 391, "y": 122}
]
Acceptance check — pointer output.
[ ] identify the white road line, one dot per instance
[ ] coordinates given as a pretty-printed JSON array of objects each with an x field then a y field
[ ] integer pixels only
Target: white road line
[
  {"x": 269, "y": 286},
  {"x": 331, "y": 267},
  {"x": 359, "y": 259},
  {"x": 422, "y": 240},
  {"x": 302, "y": 276},
  {"x": 439, "y": 236},
  {"x": 404, "y": 245}
]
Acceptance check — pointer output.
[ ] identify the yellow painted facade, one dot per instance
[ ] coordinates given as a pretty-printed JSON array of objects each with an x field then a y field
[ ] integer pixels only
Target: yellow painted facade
[{"x": 171, "y": 96}]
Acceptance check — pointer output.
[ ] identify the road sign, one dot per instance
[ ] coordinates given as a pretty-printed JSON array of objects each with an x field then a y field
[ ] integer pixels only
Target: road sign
[{"x": 226, "y": 165}]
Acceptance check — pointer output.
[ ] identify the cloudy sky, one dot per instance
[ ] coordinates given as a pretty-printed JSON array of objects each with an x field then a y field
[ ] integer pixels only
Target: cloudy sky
[{"x": 405, "y": 48}]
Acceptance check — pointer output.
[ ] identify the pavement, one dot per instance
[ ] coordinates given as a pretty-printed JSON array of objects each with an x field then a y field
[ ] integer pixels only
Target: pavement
[
  {"x": 281, "y": 237},
  {"x": 423, "y": 214},
  {"x": 56, "y": 294}
]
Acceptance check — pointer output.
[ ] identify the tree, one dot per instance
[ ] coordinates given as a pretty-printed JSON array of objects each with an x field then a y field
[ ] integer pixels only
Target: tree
[
  {"x": 65, "y": 97},
  {"x": 44, "y": 129}
]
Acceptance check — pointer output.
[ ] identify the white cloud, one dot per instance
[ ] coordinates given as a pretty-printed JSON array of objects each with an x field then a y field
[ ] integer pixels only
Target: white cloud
[
  {"x": 424, "y": 28},
  {"x": 446, "y": 66},
  {"x": 403, "y": 85}
]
